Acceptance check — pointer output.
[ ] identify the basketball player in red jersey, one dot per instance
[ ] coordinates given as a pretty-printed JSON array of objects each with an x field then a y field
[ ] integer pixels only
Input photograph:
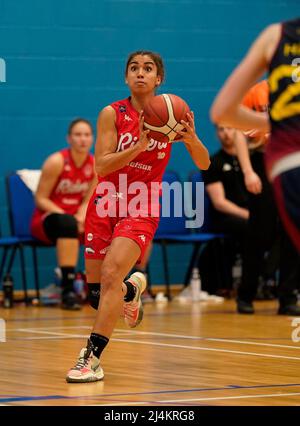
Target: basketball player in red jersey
[
  {"x": 66, "y": 184},
  {"x": 115, "y": 242},
  {"x": 277, "y": 50}
]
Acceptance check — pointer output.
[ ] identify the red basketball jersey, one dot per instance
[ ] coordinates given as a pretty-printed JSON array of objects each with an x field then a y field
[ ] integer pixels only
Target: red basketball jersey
[
  {"x": 147, "y": 168},
  {"x": 72, "y": 184}
]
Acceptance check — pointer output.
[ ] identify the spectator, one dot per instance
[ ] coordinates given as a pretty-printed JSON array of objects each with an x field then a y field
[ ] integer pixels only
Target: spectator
[
  {"x": 272, "y": 51},
  {"x": 224, "y": 184},
  {"x": 264, "y": 230},
  {"x": 65, "y": 186}
]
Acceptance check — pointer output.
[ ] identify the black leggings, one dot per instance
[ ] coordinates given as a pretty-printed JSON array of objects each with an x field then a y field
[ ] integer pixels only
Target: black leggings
[
  {"x": 58, "y": 225},
  {"x": 261, "y": 233}
]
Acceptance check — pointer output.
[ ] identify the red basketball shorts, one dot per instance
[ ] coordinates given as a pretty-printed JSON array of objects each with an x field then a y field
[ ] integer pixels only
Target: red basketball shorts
[
  {"x": 37, "y": 228},
  {"x": 100, "y": 231}
]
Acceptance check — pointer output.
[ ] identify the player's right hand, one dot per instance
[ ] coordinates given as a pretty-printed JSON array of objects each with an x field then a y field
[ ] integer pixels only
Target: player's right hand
[{"x": 257, "y": 135}]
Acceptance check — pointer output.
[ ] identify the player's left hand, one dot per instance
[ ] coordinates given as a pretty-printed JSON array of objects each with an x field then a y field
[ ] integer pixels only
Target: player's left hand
[{"x": 188, "y": 133}]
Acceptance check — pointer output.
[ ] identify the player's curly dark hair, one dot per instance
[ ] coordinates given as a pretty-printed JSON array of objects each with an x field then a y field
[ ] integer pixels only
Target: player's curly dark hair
[{"x": 154, "y": 56}]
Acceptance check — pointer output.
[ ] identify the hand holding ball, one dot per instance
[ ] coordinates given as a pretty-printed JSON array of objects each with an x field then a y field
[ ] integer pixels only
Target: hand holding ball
[{"x": 163, "y": 115}]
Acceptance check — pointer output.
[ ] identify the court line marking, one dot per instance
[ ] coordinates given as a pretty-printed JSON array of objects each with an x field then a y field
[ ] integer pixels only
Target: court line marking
[
  {"x": 211, "y": 339},
  {"x": 52, "y": 328},
  {"x": 177, "y": 336},
  {"x": 125, "y": 403},
  {"x": 180, "y": 336},
  {"x": 10, "y": 398},
  {"x": 205, "y": 349},
  {"x": 12, "y": 320},
  {"x": 170, "y": 401},
  {"x": 46, "y": 338},
  {"x": 54, "y": 335},
  {"x": 168, "y": 345},
  {"x": 51, "y": 333},
  {"x": 149, "y": 314},
  {"x": 232, "y": 397}
]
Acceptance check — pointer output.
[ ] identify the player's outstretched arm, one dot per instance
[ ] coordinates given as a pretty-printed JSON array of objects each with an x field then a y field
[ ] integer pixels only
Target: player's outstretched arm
[
  {"x": 227, "y": 109},
  {"x": 197, "y": 150}
]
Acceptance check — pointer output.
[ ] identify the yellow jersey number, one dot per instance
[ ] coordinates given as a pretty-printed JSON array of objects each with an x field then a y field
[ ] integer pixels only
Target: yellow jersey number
[{"x": 283, "y": 107}]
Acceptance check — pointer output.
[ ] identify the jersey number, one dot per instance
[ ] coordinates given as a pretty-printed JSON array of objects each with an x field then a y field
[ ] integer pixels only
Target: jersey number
[{"x": 283, "y": 107}]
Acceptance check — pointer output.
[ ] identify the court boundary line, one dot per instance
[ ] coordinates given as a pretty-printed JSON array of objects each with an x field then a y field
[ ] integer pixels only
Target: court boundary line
[
  {"x": 172, "y": 401},
  {"x": 20, "y": 398},
  {"x": 175, "y": 336},
  {"x": 211, "y": 339},
  {"x": 233, "y": 397},
  {"x": 169, "y": 345}
]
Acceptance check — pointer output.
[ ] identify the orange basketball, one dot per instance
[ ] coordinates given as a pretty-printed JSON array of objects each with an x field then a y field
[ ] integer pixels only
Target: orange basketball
[{"x": 163, "y": 115}]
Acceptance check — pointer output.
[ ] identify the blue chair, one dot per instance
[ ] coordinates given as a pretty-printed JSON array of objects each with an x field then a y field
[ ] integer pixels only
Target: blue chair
[
  {"x": 173, "y": 230},
  {"x": 21, "y": 205},
  {"x": 12, "y": 245}
]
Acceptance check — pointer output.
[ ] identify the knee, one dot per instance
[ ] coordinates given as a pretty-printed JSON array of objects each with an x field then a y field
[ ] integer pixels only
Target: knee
[
  {"x": 61, "y": 226},
  {"x": 67, "y": 226},
  {"x": 109, "y": 277}
]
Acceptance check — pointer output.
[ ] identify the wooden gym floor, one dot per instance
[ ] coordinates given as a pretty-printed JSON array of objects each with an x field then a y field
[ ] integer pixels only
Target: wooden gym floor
[{"x": 182, "y": 354}]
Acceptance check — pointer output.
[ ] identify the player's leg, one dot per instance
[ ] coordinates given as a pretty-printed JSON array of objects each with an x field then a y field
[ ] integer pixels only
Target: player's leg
[
  {"x": 142, "y": 267},
  {"x": 286, "y": 188},
  {"x": 120, "y": 258},
  {"x": 135, "y": 280},
  {"x": 289, "y": 277},
  {"x": 93, "y": 273},
  {"x": 261, "y": 234}
]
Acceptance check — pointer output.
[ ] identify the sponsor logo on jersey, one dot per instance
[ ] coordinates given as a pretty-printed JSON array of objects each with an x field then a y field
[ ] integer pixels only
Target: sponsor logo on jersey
[
  {"x": 89, "y": 250},
  {"x": 127, "y": 140},
  {"x": 140, "y": 166},
  {"x": 161, "y": 155},
  {"x": 127, "y": 118},
  {"x": 70, "y": 201},
  {"x": 89, "y": 236},
  {"x": 66, "y": 186},
  {"x": 143, "y": 238},
  {"x": 122, "y": 108}
]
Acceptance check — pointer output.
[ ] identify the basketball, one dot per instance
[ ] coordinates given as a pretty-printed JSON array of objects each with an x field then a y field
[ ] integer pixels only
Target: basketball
[{"x": 163, "y": 115}]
